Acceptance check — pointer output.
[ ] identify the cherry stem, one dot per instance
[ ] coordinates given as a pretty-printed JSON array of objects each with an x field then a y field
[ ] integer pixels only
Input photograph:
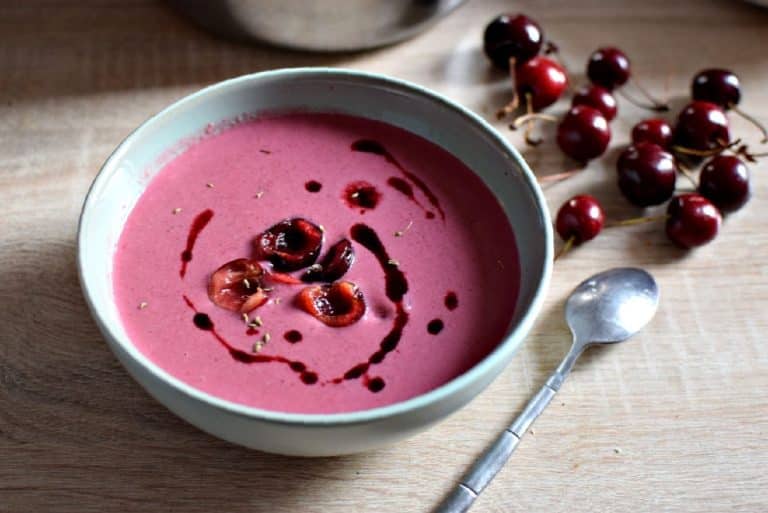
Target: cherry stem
[
  {"x": 658, "y": 105},
  {"x": 565, "y": 247},
  {"x": 557, "y": 177},
  {"x": 508, "y": 108},
  {"x": 752, "y": 120},
  {"x": 637, "y": 220},
  {"x": 528, "y": 118},
  {"x": 654, "y": 106},
  {"x": 529, "y": 114},
  {"x": 707, "y": 153},
  {"x": 687, "y": 173}
]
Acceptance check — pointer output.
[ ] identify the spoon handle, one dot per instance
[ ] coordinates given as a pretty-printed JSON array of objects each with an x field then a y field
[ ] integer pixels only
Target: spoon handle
[{"x": 496, "y": 456}]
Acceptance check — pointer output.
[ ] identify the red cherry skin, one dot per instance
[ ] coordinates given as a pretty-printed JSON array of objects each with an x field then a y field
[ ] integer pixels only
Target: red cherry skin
[
  {"x": 647, "y": 174},
  {"x": 693, "y": 220},
  {"x": 512, "y": 36},
  {"x": 608, "y": 67},
  {"x": 583, "y": 133},
  {"x": 580, "y": 218},
  {"x": 702, "y": 126},
  {"x": 724, "y": 180},
  {"x": 718, "y": 86},
  {"x": 655, "y": 131},
  {"x": 597, "y": 97},
  {"x": 543, "y": 79}
]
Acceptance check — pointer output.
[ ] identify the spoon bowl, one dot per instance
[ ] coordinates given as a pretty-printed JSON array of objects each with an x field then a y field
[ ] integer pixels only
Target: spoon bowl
[{"x": 611, "y": 306}]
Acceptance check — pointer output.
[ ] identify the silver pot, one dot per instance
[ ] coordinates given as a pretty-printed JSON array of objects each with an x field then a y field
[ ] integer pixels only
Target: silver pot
[{"x": 317, "y": 25}]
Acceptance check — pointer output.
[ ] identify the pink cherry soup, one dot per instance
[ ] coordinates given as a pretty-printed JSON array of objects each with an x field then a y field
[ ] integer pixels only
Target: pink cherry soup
[{"x": 316, "y": 263}]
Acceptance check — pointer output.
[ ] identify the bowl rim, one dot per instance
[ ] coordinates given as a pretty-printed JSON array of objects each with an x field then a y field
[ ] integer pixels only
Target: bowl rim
[{"x": 505, "y": 349}]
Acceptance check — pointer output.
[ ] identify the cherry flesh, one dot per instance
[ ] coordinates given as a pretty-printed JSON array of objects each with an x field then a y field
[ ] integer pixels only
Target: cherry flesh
[
  {"x": 701, "y": 126},
  {"x": 335, "y": 305},
  {"x": 724, "y": 181},
  {"x": 597, "y": 97},
  {"x": 580, "y": 219},
  {"x": 608, "y": 67},
  {"x": 512, "y": 36},
  {"x": 718, "y": 86},
  {"x": 334, "y": 264},
  {"x": 647, "y": 174},
  {"x": 542, "y": 79},
  {"x": 290, "y": 244},
  {"x": 237, "y": 286},
  {"x": 693, "y": 220},
  {"x": 655, "y": 131},
  {"x": 583, "y": 133}
]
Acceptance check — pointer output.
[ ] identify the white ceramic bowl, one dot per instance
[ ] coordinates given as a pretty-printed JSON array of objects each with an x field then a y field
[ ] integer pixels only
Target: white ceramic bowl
[{"x": 126, "y": 173}]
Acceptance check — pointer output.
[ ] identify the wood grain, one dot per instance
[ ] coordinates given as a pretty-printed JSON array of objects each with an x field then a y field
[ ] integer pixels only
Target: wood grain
[{"x": 677, "y": 420}]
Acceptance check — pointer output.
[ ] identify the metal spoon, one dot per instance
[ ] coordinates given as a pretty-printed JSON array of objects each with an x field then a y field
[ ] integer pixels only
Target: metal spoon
[{"x": 609, "y": 307}]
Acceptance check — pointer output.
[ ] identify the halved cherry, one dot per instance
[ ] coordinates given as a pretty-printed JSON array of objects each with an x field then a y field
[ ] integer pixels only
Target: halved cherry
[
  {"x": 237, "y": 286},
  {"x": 334, "y": 264},
  {"x": 338, "y": 304},
  {"x": 289, "y": 245}
]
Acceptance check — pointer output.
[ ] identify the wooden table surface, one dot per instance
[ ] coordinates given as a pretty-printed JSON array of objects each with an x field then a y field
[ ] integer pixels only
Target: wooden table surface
[{"x": 676, "y": 420}]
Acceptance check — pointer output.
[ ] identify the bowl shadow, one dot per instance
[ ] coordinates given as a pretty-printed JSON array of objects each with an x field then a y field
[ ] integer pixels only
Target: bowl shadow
[{"x": 78, "y": 427}]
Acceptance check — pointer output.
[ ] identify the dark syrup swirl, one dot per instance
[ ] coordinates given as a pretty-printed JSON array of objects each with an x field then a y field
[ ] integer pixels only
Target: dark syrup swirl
[
  {"x": 200, "y": 222},
  {"x": 202, "y": 321},
  {"x": 396, "y": 286},
  {"x": 375, "y": 147}
]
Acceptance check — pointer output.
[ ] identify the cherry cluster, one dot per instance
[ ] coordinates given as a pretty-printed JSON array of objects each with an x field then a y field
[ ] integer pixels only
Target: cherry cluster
[{"x": 648, "y": 168}]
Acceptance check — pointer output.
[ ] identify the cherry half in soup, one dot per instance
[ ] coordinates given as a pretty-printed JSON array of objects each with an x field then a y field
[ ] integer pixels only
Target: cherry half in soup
[
  {"x": 333, "y": 265},
  {"x": 289, "y": 245},
  {"x": 237, "y": 286},
  {"x": 336, "y": 305},
  {"x": 512, "y": 36}
]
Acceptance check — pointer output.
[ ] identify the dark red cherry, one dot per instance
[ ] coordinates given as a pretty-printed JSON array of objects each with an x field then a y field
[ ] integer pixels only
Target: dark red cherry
[
  {"x": 608, "y": 67},
  {"x": 693, "y": 220},
  {"x": 583, "y": 133},
  {"x": 237, "y": 286},
  {"x": 718, "y": 86},
  {"x": 333, "y": 265},
  {"x": 580, "y": 218},
  {"x": 543, "y": 79},
  {"x": 289, "y": 245},
  {"x": 647, "y": 174},
  {"x": 336, "y": 305},
  {"x": 597, "y": 97},
  {"x": 724, "y": 181},
  {"x": 655, "y": 131},
  {"x": 512, "y": 36},
  {"x": 701, "y": 126}
]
